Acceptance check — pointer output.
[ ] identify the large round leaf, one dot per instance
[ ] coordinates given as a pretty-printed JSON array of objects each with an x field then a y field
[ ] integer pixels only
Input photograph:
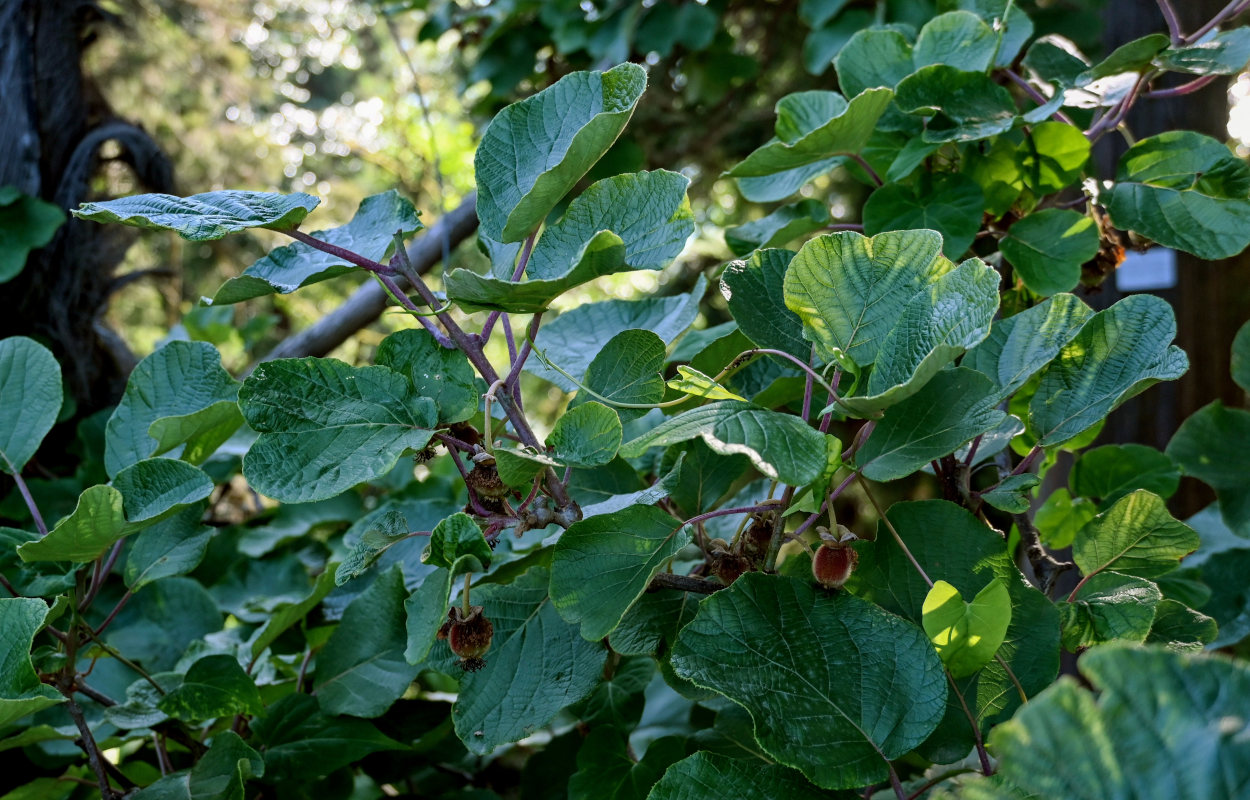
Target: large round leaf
[{"x": 836, "y": 686}]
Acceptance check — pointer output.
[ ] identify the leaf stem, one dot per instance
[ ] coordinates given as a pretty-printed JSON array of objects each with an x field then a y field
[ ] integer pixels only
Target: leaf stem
[
  {"x": 898, "y": 539},
  {"x": 26, "y": 497},
  {"x": 986, "y": 767},
  {"x": 522, "y": 262},
  {"x": 340, "y": 252},
  {"x": 779, "y": 527},
  {"x": 872, "y": 173},
  {"x": 1183, "y": 89},
  {"x": 113, "y": 614},
  {"x": 1035, "y": 95},
  {"x": 1174, "y": 25},
  {"x": 1232, "y": 9}
]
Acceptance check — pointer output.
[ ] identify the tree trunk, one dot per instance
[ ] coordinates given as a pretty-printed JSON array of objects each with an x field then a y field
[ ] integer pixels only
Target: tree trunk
[{"x": 52, "y": 125}]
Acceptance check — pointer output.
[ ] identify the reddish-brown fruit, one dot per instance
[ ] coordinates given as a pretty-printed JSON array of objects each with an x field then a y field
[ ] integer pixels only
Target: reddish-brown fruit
[
  {"x": 469, "y": 637},
  {"x": 724, "y": 563},
  {"x": 484, "y": 479},
  {"x": 833, "y": 564}
]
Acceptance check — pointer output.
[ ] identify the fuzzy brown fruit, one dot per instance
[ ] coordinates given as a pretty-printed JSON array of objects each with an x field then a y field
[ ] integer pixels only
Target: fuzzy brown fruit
[
  {"x": 468, "y": 636},
  {"x": 833, "y": 564}
]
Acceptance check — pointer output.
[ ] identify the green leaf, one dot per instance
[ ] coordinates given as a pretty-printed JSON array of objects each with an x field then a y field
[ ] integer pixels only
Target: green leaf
[
  {"x": 326, "y": 426},
  {"x": 1130, "y": 57},
  {"x": 1112, "y": 471},
  {"x": 1136, "y": 536},
  {"x": 705, "y": 774},
  {"x": 301, "y": 743},
  {"x": 781, "y": 446},
  {"x": 1155, "y": 711},
  {"x": 966, "y": 635},
  {"x": 537, "y": 665},
  {"x": 1211, "y": 446},
  {"x": 157, "y": 626},
  {"x": 517, "y": 468},
  {"x": 573, "y": 339},
  {"x": 701, "y": 476},
  {"x": 753, "y": 643},
  {"x": 1110, "y": 606},
  {"x": 1118, "y": 353},
  {"x": 960, "y": 106},
  {"x": 608, "y": 768},
  {"x": 1225, "y": 53},
  {"x": 26, "y": 223},
  {"x": 1180, "y": 628},
  {"x": 754, "y": 291},
  {"x": 154, "y": 487},
  {"x": 950, "y": 205},
  {"x": 603, "y": 564},
  {"x": 1056, "y": 59},
  {"x": 648, "y": 210},
  {"x": 219, "y": 775},
  {"x": 586, "y": 436},
  {"x": 1053, "y": 156},
  {"x": 215, "y": 686},
  {"x": 953, "y": 408},
  {"x": 385, "y": 530},
  {"x": 173, "y": 546},
  {"x": 1186, "y": 191},
  {"x": 30, "y": 400},
  {"x": 371, "y": 233},
  {"x": 1061, "y": 517},
  {"x": 183, "y": 381},
  {"x": 968, "y": 555},
  {"x": 1047, "y": 249},
  {"x": 86, "y": 534},
  {"x": 535, "y": 150},
  {"x": 849, "y": 290},
  {"x": 1014, "y": 494},
  {"x": 142, "y": 698},
  {"x": 1240, "y": 366},
  {"x": 694, "y": 383},
  {"x": 997, "y": 170},
  {"x": 874, "y": 57},
  {"x": 651, "y": 624},
  {"x": 426, "y": 610},
  {"x": 204, "y": 217},
  {"x": 457, "y": 544},
  {"x": 285, "y": 615},
  {"x": 361, "y": 671},
  {"x": 844, "y": 129},
  {"x": 626, "y": 222},
  {"x": 435, "y": 371},
  {"x": 938, "y": 324},
  {"x": 782, "y": 225},
  {"x": 1020, "y": 345},
  {"x": 21, "y": 691},
  {"x": 628, "y": 369},
  {"x": 958, "y": 39}
]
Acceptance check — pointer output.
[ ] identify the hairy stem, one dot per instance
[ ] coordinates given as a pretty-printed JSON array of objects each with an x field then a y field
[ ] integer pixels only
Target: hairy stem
[
  {"x": 986, "y": 767},
  {"x": 339, "y": 252},
  {"x": 88, "y": 744}
]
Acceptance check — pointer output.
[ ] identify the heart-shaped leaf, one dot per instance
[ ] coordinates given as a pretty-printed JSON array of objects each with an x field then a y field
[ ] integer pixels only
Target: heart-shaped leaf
[
  {"x": 601, "y": 565},
  {"x": 30, "y": 400},
  {"x": 1184, "y": 190},
  {"x": 326, "y": 426},
  {"x": 753, "y": 643},
  {"x": 779, "y": 445},
  {"x": 535, "y": 150},
  {"x": 966, "y": 635},
  {"x": 1047, "y": 249}
]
